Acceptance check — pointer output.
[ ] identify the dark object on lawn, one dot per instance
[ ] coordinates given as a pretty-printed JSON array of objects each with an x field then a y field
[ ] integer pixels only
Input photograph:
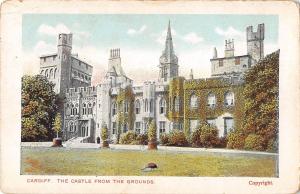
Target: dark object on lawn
[
  {"x": 98, "y": 140},
  {"x": 57, "y": 142},
  {"x": 150, "y": 166}
]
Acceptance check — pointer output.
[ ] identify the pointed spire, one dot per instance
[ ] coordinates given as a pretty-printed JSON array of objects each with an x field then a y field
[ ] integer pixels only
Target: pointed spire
[
  {"x": 168, "y": 55},
  {"x": 191, "y": 74}
]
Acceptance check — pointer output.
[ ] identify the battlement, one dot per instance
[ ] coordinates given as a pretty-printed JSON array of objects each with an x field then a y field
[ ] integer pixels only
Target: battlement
[
  {"x": 258, "y": 35},
  {"x": 65, "y": 40},
  {"x": 229, "y": 44},
  {"x": 83, "y": 91},
  {"x": 114, "y": 53}
]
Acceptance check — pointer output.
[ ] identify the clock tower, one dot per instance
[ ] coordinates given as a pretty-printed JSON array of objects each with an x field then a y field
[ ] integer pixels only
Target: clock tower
[{"x": 168, "y": 61}]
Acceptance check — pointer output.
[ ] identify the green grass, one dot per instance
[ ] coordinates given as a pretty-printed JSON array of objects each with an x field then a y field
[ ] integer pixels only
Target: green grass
[{"x": 62, "y": 161}]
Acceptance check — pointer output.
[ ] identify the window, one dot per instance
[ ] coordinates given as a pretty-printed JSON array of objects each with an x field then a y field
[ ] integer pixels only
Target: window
[
  {"x": 71, "y": 127},
  {"x": 220, "y": 63},
  {"x": 137, "y": 107},
  {"x": 125, "y": 128},
  {"x": 237, "y": 61},
  {"x": 51, "y": 73},
  {"x": 176, "y": 104},
  {"x": 114, "y": 108},
  {"x": 72, "y": 109},
  {"x": 211, "y": 121},
  {"x": 193, "y": 101},
  {"x": 138, "y": 127},
  {"x": 162, "y": 126},
  {"x": 228, "y": 125},
  {"x": 162, "y": 106},
  {"x": 126, "y": 107},
  {"x": 146, "y": 105},
  {"x": 46, "y": 73},
  {"x": 151, "y": 105},
  {"x": 229, "y": 99},
  {"x": 55, "y": 71},
  {"x": 211, "y": 100},
  {"x": 114, "y": 127},
  {"x": 194, "y": 124},
  {"x": 177, "y": 126},
  {"x": 42, "y": 72},
  {"x": 84, "y": 109},
  {"x": 90, "y": 109}
]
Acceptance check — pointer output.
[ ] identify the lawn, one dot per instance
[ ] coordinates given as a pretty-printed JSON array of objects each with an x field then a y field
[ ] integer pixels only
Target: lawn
[{"x": 63, "y": 161}]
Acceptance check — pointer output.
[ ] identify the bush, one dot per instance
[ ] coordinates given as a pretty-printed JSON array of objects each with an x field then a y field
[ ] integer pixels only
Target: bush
[
  {"x": 142, "y": 139},
  {"x": 209, "y": 136},
  {"x": 236, "y": 140},
  {"x": 195, "y": 138},
  {"x": 222, "y": 142},
  {"x": 128, "y": 138},
  {"x": 177, "y": 138},
  {"x": 104, "y": 132},
  {"x": 164, "y": 139},
  {"x": 254, "y": 142}
]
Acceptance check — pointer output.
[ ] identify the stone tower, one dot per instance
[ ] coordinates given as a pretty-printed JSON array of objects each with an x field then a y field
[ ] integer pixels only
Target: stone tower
[
  {"x": 229, "y": 48},
  {"x": 64, "y": 49},
  {"x": 168, "y": 67},
  {"x": 255, "y": 42}
]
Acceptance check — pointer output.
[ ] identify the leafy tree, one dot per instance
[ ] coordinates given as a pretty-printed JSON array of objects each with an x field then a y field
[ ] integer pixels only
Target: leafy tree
[
  {"x": 261, "y": 101},
  {"x": 104, "y": 132},
  {"x": 152, "y": 131},
  {"x": 57, "y": 124},
  {"x": 39, "y": 106}
]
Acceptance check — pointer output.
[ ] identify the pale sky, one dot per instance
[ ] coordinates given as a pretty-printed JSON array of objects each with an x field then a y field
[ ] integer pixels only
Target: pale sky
[{"x": 141, "y": 40}]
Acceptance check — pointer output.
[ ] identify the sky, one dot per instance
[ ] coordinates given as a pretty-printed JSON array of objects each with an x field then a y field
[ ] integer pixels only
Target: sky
[{"x": 141, "y": 40}]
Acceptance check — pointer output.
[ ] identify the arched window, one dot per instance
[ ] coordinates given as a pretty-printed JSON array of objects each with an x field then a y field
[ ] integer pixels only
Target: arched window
[
  {"x": 137, "y": 107},
  {"x": 126, "y": 106},
  {"x": 229, "y": 98},
  {"x": 90, "y": 109},
  {"x": 211, "y": 100},
  {"x": 51, "y": 73},
  {"x": 162, "y": 106},
  {"x": 114, "y": 108},
  {"x": 54, "y": 74},
  {"x": 193, "y": 101},
  {"x": 71, "y": 126},
  {"x": 46, "y": 73},
  {"x": 84, "y": 109},
  {"x": 176, "y": 104},
  {"x": 72, "y": 109},
  {"x": 42, "y": 72},
  {"x": 151, "y": 105},
  {"x": 146, "y": 105}
]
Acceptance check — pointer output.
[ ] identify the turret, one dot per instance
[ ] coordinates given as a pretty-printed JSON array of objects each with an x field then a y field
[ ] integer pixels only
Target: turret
[
  {"x": 191, "y": 74},
  {"x": 215, "y": 53},
  {"x": 255, "y": 42},
  {"x": 64, "y": 46},
  {"x": 229, "y": 48}
]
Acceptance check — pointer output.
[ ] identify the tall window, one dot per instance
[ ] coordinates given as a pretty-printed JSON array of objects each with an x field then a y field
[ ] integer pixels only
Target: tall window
[
  {"x": 194, "y": 101},
  {"x": 220, "y": 63},
  {"x": 162, "y": 126},
  {"x": 151, "y": 105},
  {"x": 211, "y": 100},
  {"x": 90, "y": 109},
  {"x": 176, "y": 104},
  {"x": 126, "y": 106},
  {"x": 55, "y": 71},
  {"x": 114, "y": 108},
  {"x": 229, "y": 99},
  {"x": 138, "y": 127},
  {"x": 137, "y": 107},
  {"x": 51, "y": 73},
  {"x": 228, "y": 125},
  {"x": 194, "y": 124},
  {"x": 72, "y": 109},
  {"x": 114, "y": 127},
  {"x": 46, "y": 73},
  {"x": 71, "y": 127},
  {"x": 125, "y": 128},
  {"x": 146, "y": 105},
  {"x": 162, "y": 106},
  {"x": 84, "y": 109}
]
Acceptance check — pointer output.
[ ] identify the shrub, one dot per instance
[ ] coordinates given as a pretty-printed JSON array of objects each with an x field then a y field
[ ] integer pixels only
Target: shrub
[
  {"x": 104, "y": 132},
  {"x": 164, "y": 139},
  {"x": 195, "y": 138},
  {"x": 254, "y": 142},
  {"x": 152, "y": 131},
  {"x": 177, "y": 138},
  {"x": 236, "y": 140},
  {"x": 142, "y": 139},
  {"x": 128, "y": 138},
  {"x": 209, "y": 136},
  {"x": 222, "y": 142}
]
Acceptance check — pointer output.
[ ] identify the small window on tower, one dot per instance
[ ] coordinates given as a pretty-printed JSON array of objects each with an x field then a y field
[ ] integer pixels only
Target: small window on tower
[
  {"x": 237, "y": 61},
  {"x": 220, "y": 63}
]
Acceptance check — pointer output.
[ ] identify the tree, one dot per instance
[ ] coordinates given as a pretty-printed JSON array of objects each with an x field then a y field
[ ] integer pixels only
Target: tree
[
  {"x": 104, "y": 136},
  {"x": 152, "y": 139},
  {"x": 39, "y": 106},
  {"x": 261, "y": 101},
  {"x": 57, "y": 124}
]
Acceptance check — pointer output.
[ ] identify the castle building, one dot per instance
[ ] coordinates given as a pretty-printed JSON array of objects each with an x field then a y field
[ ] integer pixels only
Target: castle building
[
  {"x": 174, "y": 102},
  {"x": 235, "y": 66}
]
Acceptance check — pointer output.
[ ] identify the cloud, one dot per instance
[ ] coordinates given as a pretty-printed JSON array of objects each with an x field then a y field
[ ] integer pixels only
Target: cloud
[
  {"x": 53, "y": 30},
  {"x": 132, "y": 31},
  {"x": 192, "y": 38},
  {"x": 230, "y": 32}
]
